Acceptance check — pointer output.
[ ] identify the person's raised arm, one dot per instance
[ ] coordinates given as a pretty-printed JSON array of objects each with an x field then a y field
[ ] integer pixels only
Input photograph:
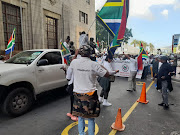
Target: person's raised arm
[
  {"x": 76, "y": 53},
  {"x": 127, "y": 56}
]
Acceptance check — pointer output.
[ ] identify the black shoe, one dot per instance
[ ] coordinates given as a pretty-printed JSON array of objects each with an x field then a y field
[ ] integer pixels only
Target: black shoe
[
  {"x": 130, "y": 90},
  {"x": 161, "y": 104},
  {"x": 166, "y": 106}
]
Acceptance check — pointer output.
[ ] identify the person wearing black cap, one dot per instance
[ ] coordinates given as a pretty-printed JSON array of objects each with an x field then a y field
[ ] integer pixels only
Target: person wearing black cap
[
  {"x": 164, "y": 77},
  {"x": 105, "y": 82},
  {"x": 86, "y": 103}
]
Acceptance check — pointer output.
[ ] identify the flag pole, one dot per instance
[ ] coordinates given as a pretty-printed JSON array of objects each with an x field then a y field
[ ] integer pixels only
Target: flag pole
[
  {"x": 11, "y": 53},
  {"x": 108, "y": 38}
]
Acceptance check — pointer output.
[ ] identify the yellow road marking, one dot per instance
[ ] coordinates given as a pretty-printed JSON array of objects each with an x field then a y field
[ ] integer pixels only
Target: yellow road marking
[
  {"x": 69, "y": 127},
  {"x": 113, "y": 132},
  {"x": 139, "y": 83}
]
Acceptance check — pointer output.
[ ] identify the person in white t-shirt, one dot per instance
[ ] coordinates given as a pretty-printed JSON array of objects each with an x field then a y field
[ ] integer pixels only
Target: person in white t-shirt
[
  {"x": 133, "y": 72},
  {"x": 83, "y": 40},
  {"x": 105, "y": 82},
  {"x": 66, "y": 43},
  {"x": 86, "y": 103}
]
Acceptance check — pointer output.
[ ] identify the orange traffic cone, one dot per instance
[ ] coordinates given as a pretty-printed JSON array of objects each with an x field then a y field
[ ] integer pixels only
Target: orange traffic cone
[
  {"x": 118, "y": 125},
  {"x": 142, "y": 98}
]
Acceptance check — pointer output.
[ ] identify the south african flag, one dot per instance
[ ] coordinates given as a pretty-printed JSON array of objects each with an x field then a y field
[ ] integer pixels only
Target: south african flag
[{"x": 11, "y": 43}]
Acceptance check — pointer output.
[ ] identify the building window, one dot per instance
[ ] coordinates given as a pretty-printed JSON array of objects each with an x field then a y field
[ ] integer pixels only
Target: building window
[
  {"x": 11, "y": 20},
  {"x": 88, "y": 1},
  {"x": 83, "y": 17},
  {"x": 51, "y": 29}
]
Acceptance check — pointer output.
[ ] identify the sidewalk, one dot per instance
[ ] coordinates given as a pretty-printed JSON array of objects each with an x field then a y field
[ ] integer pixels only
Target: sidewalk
[{"x": 177, "y": 77}]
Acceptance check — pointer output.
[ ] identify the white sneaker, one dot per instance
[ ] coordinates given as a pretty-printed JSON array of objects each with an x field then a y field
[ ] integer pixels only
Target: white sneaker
[
  {"x": 106, "y": 103},
  {"x": 100, "y": 99},
  {"x": 159, "y": 91}
]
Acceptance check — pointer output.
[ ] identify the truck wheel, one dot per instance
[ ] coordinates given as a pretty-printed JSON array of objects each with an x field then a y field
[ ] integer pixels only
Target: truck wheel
[{"x": 18, "y": 102}]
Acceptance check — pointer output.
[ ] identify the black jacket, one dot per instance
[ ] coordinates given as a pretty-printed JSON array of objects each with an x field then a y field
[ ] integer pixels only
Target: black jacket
[{"x": 164, "y": 70}]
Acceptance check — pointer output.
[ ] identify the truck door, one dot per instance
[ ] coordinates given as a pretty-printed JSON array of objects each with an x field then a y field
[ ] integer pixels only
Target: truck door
[{"x": 51, "y": 76}]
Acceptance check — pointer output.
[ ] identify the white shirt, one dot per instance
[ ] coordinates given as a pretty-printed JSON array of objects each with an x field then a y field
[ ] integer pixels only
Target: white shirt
[
  {"x": 103, "y": 59},
  {"x": 108, "y": 66},
  {"x": 1, "y": 61},
  {"x": 66, "y": 45},
  {"x": 133, "y": 64},
  {"x": 160, "y": 63},
  {"x": 145, "y": 63},
  {"x": 83, "y": 40},
  {"x": 85, "y": 72},
  {"x": 69, "y": 76}
]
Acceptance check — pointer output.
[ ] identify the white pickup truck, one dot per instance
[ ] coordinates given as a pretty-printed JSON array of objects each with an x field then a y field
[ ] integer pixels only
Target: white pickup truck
[{"x": 28, "y": 74}]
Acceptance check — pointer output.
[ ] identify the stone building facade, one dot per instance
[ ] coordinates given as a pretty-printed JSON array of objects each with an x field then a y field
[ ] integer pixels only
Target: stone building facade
[{"x": 44, "y": 23}]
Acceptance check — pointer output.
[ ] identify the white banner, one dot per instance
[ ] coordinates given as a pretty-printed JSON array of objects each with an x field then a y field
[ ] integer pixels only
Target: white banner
[{"x": 124, "y": 68}]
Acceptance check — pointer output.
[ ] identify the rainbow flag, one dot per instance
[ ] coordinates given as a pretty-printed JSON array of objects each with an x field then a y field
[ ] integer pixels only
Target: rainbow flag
[{"x": 11, "y": 43}]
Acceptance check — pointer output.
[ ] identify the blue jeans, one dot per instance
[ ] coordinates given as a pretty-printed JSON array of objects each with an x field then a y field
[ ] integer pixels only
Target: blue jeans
[{"x": 81, "y": 126}]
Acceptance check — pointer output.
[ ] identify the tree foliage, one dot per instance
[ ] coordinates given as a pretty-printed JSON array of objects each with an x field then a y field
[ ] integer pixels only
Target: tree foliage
[
  {"x": 151, "y": 47},
  {"x": 136, "y": 43}
]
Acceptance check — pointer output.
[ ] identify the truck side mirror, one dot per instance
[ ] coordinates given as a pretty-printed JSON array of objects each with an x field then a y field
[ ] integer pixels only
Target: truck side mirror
[{"x": 42, "y": 62}]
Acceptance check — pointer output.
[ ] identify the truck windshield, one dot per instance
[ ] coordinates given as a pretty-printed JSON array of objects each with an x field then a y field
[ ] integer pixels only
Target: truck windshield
[{"x": 26, "y": 57}]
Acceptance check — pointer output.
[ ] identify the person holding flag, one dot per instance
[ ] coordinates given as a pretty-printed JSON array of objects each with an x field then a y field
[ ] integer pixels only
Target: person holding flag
[{"x": 66, "y": 43}]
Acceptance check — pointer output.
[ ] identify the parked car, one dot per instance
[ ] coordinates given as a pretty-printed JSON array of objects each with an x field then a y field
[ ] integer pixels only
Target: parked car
[{"x": 28, "y": 74}]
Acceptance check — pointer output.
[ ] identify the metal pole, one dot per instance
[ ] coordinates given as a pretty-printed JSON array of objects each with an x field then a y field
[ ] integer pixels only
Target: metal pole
[
  {"x": 108, "y": 38},
  {"x": 21, "y": 24},
  {"x": 172, "y": 43},
  {"x": 11, "y": 53}
]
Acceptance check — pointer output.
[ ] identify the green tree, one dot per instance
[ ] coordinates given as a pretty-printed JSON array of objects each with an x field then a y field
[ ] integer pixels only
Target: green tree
[
  {"x": 128, "y": 34},
  {"x": 151, "y": 47},
  {"x": 135, "y": 43}
]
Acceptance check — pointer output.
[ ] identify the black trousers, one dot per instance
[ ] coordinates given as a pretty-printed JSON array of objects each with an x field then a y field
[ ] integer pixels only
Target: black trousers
[
  {"x": 145, "y": 72},
  {"x": 70, "y": 91},
  {"x": 105, "y": 93}
]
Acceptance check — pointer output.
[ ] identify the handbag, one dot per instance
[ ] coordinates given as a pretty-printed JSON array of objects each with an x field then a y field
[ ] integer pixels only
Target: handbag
[{"x": 111, "y": 78}]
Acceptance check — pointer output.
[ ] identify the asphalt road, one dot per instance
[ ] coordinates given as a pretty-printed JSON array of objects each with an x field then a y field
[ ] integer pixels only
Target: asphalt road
[{"x": 48, "y": 116}]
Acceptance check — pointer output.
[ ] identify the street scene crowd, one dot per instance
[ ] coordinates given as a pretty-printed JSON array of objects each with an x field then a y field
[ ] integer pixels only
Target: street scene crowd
[
  {"x": 53, "y": 45},
  {"x": 84, "y": 71}
]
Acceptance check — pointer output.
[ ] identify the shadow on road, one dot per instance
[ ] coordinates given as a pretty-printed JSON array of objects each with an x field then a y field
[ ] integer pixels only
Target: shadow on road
[{"x": 42, "y": 100}]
